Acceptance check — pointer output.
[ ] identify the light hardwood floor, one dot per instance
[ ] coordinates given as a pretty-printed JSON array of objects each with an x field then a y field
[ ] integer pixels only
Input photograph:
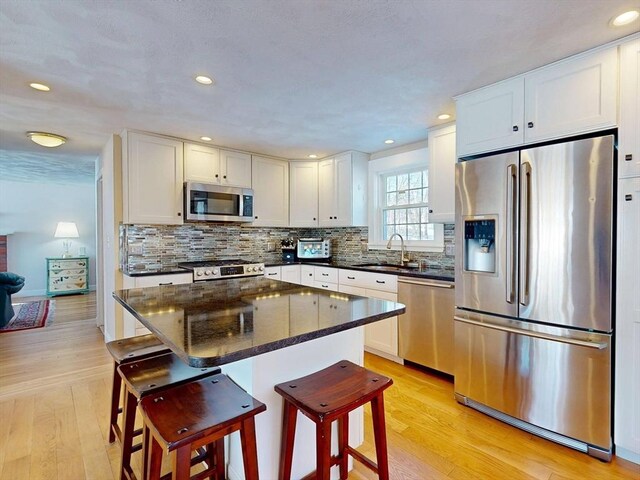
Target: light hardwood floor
[{"x": 54, "y": 398}]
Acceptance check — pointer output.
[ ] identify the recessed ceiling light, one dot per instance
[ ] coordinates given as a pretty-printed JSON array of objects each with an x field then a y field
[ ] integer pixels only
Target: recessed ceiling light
[
  {"x": 444, "y": 116},
  {"x": 625, "y": 18},
  {"x": 48, "y": 140},
  {"x": 205, "y": 139},
  {"x": 313, "y": 155},
  {"x": 40, "y": 86},
  {"x": 389, "y": 142},
  {"x": 204, "y": 80}
]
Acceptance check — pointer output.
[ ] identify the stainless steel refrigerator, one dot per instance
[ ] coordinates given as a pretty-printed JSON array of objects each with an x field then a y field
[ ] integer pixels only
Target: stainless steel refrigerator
[{"x": 534, "y": 289}]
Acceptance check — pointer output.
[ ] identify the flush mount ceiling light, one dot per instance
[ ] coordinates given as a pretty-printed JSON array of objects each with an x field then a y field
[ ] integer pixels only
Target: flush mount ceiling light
[
  {"x": 389, "y": 142},
  {"x": 625, "y": 18},
  {"x": 444, "y": 116},
  {"x": 40, "y": 86},
  {"x": 205, "y": 139},
  {"x": 313, "y": 155},
  {"x": 204, "y": 80},
  {"x": 48, "y": 140}
]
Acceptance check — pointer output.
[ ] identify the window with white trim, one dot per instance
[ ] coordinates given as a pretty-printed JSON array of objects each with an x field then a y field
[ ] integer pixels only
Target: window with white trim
[{"x": 399, "y": 202}]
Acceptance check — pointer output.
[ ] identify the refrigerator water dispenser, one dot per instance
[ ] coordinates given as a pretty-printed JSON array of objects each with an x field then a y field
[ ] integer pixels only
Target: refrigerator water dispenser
[{"x": 480, "y": 245}]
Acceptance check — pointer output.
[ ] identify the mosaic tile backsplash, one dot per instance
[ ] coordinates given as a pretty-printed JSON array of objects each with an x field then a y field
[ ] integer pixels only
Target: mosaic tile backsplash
[{"x": 160, "y": 246}]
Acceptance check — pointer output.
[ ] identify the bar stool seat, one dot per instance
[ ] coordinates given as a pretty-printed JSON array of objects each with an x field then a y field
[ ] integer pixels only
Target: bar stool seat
[
  {"x": 123, "y": 351},
  {"x": 328, "y": 395},
  {"x": 184, "y": 418},
  {"x": 141, "y": 378}
]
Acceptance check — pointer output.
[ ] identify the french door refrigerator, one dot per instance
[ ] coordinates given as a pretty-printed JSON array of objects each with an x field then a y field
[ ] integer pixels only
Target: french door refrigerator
[{"x": 534, "y": 291}]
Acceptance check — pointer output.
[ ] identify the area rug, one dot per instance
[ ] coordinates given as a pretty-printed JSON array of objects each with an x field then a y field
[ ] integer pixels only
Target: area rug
[{"x": 31, "y": 315}]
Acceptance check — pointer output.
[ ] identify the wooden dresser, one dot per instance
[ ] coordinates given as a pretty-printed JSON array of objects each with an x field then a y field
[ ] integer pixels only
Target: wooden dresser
[{"x": 67, "y": 276}]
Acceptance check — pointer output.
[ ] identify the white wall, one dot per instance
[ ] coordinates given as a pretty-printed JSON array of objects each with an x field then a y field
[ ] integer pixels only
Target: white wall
[{"x": 30, "y": 213}]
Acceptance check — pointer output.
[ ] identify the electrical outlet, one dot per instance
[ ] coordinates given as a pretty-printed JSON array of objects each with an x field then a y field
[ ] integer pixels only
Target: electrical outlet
[
  {"x": 271, "y": 246},
  {"x": 135, "y": 249},
  {"x": 450, "y": 250},
  {"x": 364, "y": 247}
]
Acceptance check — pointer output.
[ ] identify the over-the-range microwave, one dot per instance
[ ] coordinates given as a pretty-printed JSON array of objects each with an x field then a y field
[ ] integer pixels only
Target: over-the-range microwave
[{"x": 216, "y": 203}]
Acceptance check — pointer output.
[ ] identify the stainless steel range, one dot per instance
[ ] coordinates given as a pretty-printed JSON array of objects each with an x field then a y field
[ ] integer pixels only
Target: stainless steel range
[{"x": 222, "y": 269}]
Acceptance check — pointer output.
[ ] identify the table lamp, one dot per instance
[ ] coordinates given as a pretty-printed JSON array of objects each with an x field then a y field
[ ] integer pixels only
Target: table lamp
[{"x": 66, "y": 230}]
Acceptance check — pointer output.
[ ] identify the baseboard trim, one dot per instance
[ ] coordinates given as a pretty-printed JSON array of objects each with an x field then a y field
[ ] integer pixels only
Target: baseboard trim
[{"x": 627, "y": 454}]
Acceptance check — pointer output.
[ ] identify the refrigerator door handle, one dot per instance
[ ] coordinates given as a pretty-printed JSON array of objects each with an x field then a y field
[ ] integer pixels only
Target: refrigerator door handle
[
  {"x": 512, "y": 179},
  {"x": 525, "y": 219},
  {"x": 530, "y": 333}
]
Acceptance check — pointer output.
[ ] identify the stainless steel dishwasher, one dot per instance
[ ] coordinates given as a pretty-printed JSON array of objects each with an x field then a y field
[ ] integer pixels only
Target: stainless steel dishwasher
[{"x": 426, "y": 331}]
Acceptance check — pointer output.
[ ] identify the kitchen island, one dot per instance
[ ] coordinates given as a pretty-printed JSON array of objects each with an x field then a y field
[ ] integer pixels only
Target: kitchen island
[{"x": 261, "y": 332}]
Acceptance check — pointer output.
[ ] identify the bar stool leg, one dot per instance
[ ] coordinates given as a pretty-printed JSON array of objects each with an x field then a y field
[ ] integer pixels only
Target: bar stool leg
[
  {"x": 380, "y": 435},
  {"x": 128, "y": 426},
  {"x": 154, "y": 466},
  {"x": 215, "y": 457},
  {"x": 115, "y": 402},
  {"x": 181, "y": 459},
  {"x": 249, "y": 450},
  {"x": 146, "y": 440},
  {"x": 323, "y": 450},
  {"x": 343, "y": 441},
  {"x": 289, "y": 417}
]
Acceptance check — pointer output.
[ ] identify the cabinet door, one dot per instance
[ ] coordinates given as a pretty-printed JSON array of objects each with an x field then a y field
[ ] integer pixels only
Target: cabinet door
[
  {"x": 326, "y": 193},
  {"x": 271, "y": 192},
  {"x": 201, "y": 163},
  {"x": 153, "y": 180},
  {"x": 629, "y": 131},
  {"x": 627, "y": 381},
  {"x": 491, "y": 118},
  {"x": 235, "y": 169},
  {"x": 290, "y": 273},
  {"x": 343, "y": 190},
  {"x": 572, "y": 97},
  {"x": 442, "y": 163},
  {"x": 303, "y": 191},
  {"x": 382, "y": 335},
  {"x": 307, "y": 275}
]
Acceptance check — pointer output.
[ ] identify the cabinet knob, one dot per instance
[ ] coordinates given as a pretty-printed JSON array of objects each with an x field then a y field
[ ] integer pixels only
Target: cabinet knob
[
  {"x": 314, "y": 218},
  {"x": 179, "y": 214},
  {"x": 217, "y": 175},
  {"x": 515, "y": 128},
  {"x": 431, "y": 210},
  {"x": 530, "y": 124},
  {"x": 256, "y": 217},
  {"x": 224, "y": 176}
]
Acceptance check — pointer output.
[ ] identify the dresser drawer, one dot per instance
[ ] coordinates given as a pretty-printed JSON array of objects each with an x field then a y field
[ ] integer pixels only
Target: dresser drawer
[
  {"x": 67, "y": 272},
  {"x": 65, "y": 264},
  {"x": 67, "y": 283}
]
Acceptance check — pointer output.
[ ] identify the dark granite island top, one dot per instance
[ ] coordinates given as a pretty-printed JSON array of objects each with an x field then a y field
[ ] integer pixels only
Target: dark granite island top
[{"x": 219, "y": 322}]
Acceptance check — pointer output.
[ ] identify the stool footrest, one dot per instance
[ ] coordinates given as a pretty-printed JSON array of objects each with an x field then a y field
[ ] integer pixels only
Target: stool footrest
[{"x": 361, "y": 458}]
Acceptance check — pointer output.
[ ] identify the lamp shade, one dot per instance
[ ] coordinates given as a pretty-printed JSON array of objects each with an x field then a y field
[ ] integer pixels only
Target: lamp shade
[{"x": 66, "y": 230}]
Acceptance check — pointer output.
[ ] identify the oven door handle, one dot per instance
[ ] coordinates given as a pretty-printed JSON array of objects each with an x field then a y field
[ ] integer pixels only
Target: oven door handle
[{"x": 529, "y": 333}]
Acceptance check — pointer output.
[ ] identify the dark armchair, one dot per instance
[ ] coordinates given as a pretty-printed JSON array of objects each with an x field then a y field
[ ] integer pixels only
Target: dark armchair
[{"x": 10, "y": 283}]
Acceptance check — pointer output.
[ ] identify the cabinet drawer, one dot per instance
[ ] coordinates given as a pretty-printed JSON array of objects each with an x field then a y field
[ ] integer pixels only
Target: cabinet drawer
[
  {"x": 369, "y": 280},
  {"x": 67, "y": 272},
  {"x": 325, "y": 274},
  {"x": 274, "y": 273},
  {"x": 156, "y": 280},
  {"x": 67, "y": 264},
  {"x": 67, "y": 283},
  {"x": 326, "y": 285}
]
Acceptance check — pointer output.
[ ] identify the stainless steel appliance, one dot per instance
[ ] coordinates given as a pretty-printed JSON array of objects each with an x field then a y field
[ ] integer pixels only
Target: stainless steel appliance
[
  {"x": 222, "y": 269},
  {"x": 425, "y": 332},
  {"x": 216, "y": 203},
  {"x": 534, "y": 289},
  {"x": 313, "y": 249}
]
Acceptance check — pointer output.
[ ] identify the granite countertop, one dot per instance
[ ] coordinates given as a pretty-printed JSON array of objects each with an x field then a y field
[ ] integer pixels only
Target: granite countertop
[
  {"x": 213, "y": 323},
  {"x": 432, "y": 274}
]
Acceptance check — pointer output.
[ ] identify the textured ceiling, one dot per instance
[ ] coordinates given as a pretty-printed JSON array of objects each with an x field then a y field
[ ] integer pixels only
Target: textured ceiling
[{"x": 293, "y": 77}]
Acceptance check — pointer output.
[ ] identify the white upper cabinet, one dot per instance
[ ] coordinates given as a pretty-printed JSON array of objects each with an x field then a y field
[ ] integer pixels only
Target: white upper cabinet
[
  {"x": 491, "y": 118},
  {"x": 574, "y": 96},
  {"x": 442, "y": 163},
  {"x": 629, "y": 131},
  {"x": 342, "y": 190},
  {"x": 206, "y": 164},
  {"x": 152, "y": 174},
  {"x": 303, "y": 194},
  {"x": 271, "y": 192}
]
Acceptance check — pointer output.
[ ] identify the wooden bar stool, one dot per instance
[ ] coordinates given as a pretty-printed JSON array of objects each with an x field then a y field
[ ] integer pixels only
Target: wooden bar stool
[
  {"x": 329, "y": 395},
  {"x": 182, "y": 419},
  {"x": 124, "y": 351},
  {"x": 141, "y": 378}
]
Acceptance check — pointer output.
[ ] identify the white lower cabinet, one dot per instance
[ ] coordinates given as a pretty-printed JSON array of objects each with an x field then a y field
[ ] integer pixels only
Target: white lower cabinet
[
  {"x": 274, "y": 273},
  {"x": 290, "y": 273},
  {"x": 132, "y": 327},
  {"x": 380, "y": 338},
  {"x": 306, "y": 275}
]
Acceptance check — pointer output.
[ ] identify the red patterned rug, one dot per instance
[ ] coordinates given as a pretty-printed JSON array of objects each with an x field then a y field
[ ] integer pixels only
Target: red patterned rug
[{"x": 31, "y": 315}]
